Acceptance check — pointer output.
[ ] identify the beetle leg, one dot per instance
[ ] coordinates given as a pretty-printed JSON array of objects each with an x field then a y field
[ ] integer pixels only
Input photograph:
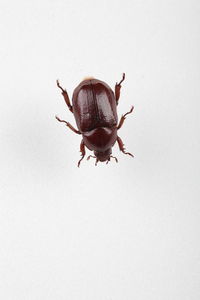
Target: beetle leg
[
  {"x": 90, "y": 156},
  {"x": 93, "y": 157},
  {"x": 82, "y": 150},
  {"x": 114, "y": 158},
  {"x": 108, "y": 160},
  {"x": 68, "y": 125},
  {"x": 118, "y": 87},
  {"x": 121, "y": 147},
  {"x": 124, "y": 117},
  {"x": 66, "y": 97}
]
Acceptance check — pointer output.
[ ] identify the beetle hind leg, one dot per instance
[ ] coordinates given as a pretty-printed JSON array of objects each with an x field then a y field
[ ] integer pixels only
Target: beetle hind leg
[
  {"x": 66, "y": 97},
  {"x": 118, "y": 88},
  {"x": 122, "y": 148}
]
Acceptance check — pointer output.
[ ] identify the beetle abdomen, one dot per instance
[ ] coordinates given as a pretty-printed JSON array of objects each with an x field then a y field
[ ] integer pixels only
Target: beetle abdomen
[{"x": 94, "y": 105}]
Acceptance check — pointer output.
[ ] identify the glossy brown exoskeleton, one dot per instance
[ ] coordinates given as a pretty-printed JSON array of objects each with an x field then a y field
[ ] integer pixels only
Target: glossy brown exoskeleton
[{"x": 94, "y": 106}]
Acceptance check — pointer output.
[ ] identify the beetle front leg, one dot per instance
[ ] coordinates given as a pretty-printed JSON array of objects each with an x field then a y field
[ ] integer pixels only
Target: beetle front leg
[
  {"x": 112, "y": 157},
  {"x": 82, "y": 150},
  {"x": 66, "y": 97},
  {"x": 117, "y": 88},
  {"x": 68, "y": 125},
  {"x": 121, "y": 147},
  {"x": 124, "y": 117}
]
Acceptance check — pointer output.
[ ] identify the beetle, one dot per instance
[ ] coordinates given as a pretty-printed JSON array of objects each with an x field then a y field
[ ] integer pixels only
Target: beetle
[{"x": 94, "y": 106}]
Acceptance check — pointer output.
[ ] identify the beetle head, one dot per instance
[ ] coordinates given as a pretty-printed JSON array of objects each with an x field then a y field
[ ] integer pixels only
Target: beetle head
[{"x": 103, "y": 156}]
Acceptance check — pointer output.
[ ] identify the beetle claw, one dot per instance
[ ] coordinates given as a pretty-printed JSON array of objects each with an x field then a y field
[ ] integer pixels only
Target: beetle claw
[
  {"x": 60, "y": 87},
  {"x": 129, "y": 112},
  {"x": 129, "y": 154},
  {"x": 80, "y": 161},
  {"x": 57, "y": 118},
  {"x": 58, "y": 84},
  {"x": 123, "y": 77}
]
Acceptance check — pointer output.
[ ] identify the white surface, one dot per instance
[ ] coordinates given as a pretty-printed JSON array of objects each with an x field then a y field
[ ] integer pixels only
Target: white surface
[{"x": 118, "y": 231}]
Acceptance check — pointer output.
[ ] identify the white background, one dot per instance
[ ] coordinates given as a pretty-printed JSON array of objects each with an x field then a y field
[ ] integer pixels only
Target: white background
[{"x": 118, "y": 231}]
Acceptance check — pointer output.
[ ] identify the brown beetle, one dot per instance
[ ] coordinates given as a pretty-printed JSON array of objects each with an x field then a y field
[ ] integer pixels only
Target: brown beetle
[{"x": 94, "y": 106}]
